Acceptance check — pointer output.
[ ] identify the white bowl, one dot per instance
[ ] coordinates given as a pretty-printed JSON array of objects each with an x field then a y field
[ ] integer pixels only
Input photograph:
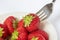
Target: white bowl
[{"x": 47, "y": 26}]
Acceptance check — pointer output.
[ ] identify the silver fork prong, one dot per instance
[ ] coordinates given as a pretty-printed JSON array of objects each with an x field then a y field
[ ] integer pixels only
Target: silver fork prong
[
  {"x": 43, "y": 18},
  {"x": 41, "y": 13}
]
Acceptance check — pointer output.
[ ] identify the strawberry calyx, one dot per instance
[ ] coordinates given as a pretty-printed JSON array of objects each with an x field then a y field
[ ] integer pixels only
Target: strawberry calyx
[
  {"x": 14, "y": 35},
  {"x": 34, "y": 38},
  {"x": 27, "y": 20},
  {"x": 1, "y": 32},
  {"x": 15, "y": 23}
]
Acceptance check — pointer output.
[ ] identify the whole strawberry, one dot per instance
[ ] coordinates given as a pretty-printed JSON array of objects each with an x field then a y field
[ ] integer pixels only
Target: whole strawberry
[
  {"x": 11, "y": 23},
  {"x": 30, "y": 22},
  {"x": 36, "y": 36},
  {"x": 3, "y": 31},
  {"x": 19, "y": 34},
  {"x": 38, "y": 33},
  {"x": 42, "y": 33}
]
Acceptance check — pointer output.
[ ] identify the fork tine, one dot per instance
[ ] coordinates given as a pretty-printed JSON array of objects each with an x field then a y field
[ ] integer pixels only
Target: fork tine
[
  {"x": 41, "y": 13},
  {"x": 43, "y": 18}
]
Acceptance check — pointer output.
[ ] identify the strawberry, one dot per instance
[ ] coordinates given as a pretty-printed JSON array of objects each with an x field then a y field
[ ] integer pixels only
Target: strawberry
[
  {"x": 30, "y": 22},
  {"x": 19, "y": 34},
  {"x": 11, "y": 23},
  {"x": 36, "y": 36},
  {"x": 3, "y": 31},
  {"x": 43, "y": 33},
  {"x": 21, "y": 23}
]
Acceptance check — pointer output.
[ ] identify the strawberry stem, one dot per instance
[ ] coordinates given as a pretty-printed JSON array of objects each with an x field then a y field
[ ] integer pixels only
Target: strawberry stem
[
  {"x": 15, "y": 23},
  {"x": 1, "y": 32},
  {"x": 27, "y": 20},
  {"x": 14, "y": 35},
  {"x": 34, "y": 38}
]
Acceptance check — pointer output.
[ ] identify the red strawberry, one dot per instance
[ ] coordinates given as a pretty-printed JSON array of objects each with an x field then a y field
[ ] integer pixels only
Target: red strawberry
[
  {"x": 30, "y": 22},
  {"x": 21, "y": 23},
  {"x": 19, "y": 34},
  {"x": 36, "y": 36},
  {"x": 11, "y": 23},
  {"x": 1, "y": 39},
  {"x": 3, "y": 31},
  {"x": 43, "y": 33}
]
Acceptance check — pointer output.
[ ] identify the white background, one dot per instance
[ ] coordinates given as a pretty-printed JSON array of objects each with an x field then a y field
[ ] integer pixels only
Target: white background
[{"x": 7, "y": 6}]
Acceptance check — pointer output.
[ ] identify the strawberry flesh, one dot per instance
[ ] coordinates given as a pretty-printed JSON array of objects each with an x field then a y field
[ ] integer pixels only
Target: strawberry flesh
[{"x": 36, "y": 36}]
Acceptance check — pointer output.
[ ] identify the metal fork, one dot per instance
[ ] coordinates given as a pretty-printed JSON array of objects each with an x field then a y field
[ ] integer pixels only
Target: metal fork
[{"x": 45, "y": 12}]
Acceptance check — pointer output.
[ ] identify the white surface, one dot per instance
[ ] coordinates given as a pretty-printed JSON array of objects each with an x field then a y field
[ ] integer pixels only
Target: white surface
[
  {"x": 47, "y": 26},
  {"x": 21, "y": 5},
  {"x": 7, "y": 6}
]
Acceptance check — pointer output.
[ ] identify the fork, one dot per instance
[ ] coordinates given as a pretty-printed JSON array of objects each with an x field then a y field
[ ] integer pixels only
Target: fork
[{"x": 45, "y": 12}]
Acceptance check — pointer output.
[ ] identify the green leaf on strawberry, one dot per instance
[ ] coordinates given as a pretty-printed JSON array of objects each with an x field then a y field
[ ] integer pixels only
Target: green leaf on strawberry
[
  {"x": 34, "y": 38},
  {"x": 28, "y": 19},
  {"x": 15, "y": 23},
  {"x": 14, "y": 35},
  {"x": 1, "y": 32}
]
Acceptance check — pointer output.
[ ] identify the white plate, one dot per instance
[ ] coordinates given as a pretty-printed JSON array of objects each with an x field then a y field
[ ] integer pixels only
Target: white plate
[{"x": 47, "y": 26}]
